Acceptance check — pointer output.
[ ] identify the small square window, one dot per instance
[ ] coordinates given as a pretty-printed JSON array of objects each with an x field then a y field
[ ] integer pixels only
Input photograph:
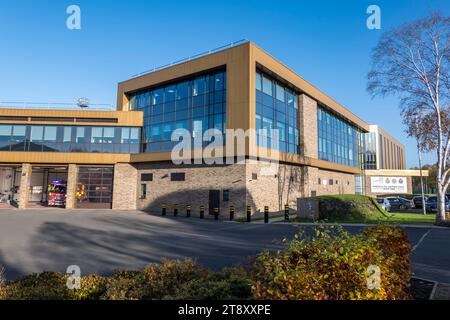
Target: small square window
[
  {"x": 331, "y": 182},
  {"x": 178, "y": 176},
  {"x": 254, "y": 176},
  {"x": 147, "y": 177}
]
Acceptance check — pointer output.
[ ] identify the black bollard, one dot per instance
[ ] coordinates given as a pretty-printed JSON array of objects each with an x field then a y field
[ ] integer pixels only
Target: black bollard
[
  {"x": 266, "y": 214},
  {"x": 164, "y": 208},
  {"x": 188, "y": 211},
  {"x": 231, "y": 213},
  {"x": 249, "y": 214},
  {"x": 286, "y": 212},
  {"x": 175, "y": 210},
  {"x": 216, "y": 213},
  {"x": 202, "y": 212}
]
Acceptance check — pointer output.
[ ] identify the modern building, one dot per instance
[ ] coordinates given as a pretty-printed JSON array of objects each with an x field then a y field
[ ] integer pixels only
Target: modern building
[
  {"x": 385, "y": 165},
  {"x": 122, "y": 159}
]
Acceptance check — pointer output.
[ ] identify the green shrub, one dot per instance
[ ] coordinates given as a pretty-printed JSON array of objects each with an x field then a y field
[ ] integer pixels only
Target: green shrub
[
  {"x": 38, "y": 286},
  {"x": 125, "y": 285},
  {"x": 155, "y": 281},
  {"x": 2, "y": 277},
  {"x": 394, "y": 244},
  {"x": 2, "y": 284},
  {"x": 332, "y": 265},
  {"x": 231, "y": 283},
  {"x": 165, "y": 278},
  {"x": 92, "y": 287}
]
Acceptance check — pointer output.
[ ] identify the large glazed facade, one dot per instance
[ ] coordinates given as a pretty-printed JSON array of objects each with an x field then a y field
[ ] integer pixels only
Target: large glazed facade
[{"x": 322, "y": 147}]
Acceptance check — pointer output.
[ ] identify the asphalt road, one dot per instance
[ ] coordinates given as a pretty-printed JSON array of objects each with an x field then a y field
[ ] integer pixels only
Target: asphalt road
[{"x": 100, "y": 241}]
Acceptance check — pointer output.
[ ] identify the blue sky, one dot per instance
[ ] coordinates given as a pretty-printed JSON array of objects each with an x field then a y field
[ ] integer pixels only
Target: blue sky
[{"x": 326, "y": 42}]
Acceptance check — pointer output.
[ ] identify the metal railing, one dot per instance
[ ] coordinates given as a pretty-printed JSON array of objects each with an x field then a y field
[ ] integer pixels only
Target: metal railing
[
  {"x": 53, "y": 106},
  {"x": 205, "y": 53}
]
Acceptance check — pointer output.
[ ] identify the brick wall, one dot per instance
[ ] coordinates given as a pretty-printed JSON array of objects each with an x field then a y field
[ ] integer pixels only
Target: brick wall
[
  {"x": 308, "y": 127},
  {"x": 194, "y": 191},
  {"x": 72, "y": 174},
  {"x": 25, "y": 179},
  {"x": 125, "y": 188},
  {"x": 341, "y": 183},
  {"x": 292, "y": 182}
]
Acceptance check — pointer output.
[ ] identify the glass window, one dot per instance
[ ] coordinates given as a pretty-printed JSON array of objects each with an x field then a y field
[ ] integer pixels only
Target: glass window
[
  {"x": 125, "y": 135},
  {"x": 158, "y": 96},
  {"x": 80, "y": 135},
  {"x": 226, "y": 195},
  {"x": 134, "y": 135},
  {"x": 199, "y": 86},
  {"x": 67, "y": 134},
  {"x": 167, "y": 130},
  {"x": 59, "y": 138},
  {"x": 267, "y": 85},
  {"x": 218, "y": 82},
  {"x": 37, "y": 133},
  {"x": 156, "y": 132},
  {"x": 258, "y": 81},
  {"x": 50, "y": 133},
  {"x": 19, "y": 133},
  {"x": 196, "y": 98},
  {"x": 278, "y": 113},
  {"x": 108, "y": 135},
  {"x": 143, "y": 191},
  {"x": 170, "y": 93},
  {"x": 280, "y": 92},
  {"x": 183, "y": 124},
  {"x": 96, "y": 135},
  {"x": 182, "y": 90},
  {"x": 338, "y": 139},
  {"x": 5, "y": 132}
]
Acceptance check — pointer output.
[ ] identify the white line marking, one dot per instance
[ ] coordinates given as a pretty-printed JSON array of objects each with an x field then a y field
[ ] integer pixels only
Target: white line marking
[
  {"x": 420, "y": 240},
  {"x": 433, "y": 292}
]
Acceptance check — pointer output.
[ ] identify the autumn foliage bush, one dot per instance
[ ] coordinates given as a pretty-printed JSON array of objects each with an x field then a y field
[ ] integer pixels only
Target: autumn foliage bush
[
  {"x": 334, "y": 265},
  {"x": 329, "y": 264},
  {"x": 155, "y": 281}
]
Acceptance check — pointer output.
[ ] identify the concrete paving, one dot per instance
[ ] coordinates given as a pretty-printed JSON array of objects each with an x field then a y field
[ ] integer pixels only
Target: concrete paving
[{"x": 100, "y": 241}]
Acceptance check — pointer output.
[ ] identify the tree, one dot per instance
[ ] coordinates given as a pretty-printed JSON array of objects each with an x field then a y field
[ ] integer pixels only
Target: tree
[
  {"x": 412, "y": 121},
  {"x": 412, "y": 62}
]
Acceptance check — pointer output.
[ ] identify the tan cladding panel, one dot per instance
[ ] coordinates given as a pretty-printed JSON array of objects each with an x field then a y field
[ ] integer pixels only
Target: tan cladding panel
[
  {"x": 394, "y": 156},
  {"x": 263, "y": 58},
  {"x": 62, "y": 157},
  {"x": 236, "y": 60},
  {"x": 133, "y": 119}
]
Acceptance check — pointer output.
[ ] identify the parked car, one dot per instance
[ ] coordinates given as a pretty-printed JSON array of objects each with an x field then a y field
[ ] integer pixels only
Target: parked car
[
  {"x": 418, "y": 201},
  {"x": 432, "y": 203},
  {"x": 384, "y": 203},
  {"x": 400, "y": 203}
]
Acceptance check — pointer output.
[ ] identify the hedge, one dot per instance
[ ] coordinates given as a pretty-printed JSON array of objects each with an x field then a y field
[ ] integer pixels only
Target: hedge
[{"x": 331, "y": 264}]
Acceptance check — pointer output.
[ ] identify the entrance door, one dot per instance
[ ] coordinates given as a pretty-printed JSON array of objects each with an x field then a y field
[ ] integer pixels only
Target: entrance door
[
  {"x": 94, "y": 187},
  {"x": 214, "y": 200}
]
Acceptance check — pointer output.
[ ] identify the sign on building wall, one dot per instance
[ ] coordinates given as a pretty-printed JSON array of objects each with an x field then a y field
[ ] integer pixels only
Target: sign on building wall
[{"x": 388, "y": 185}]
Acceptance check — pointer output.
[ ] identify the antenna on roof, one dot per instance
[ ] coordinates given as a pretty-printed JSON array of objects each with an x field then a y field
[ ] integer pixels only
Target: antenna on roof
[{"x": 82, "y": 102}]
